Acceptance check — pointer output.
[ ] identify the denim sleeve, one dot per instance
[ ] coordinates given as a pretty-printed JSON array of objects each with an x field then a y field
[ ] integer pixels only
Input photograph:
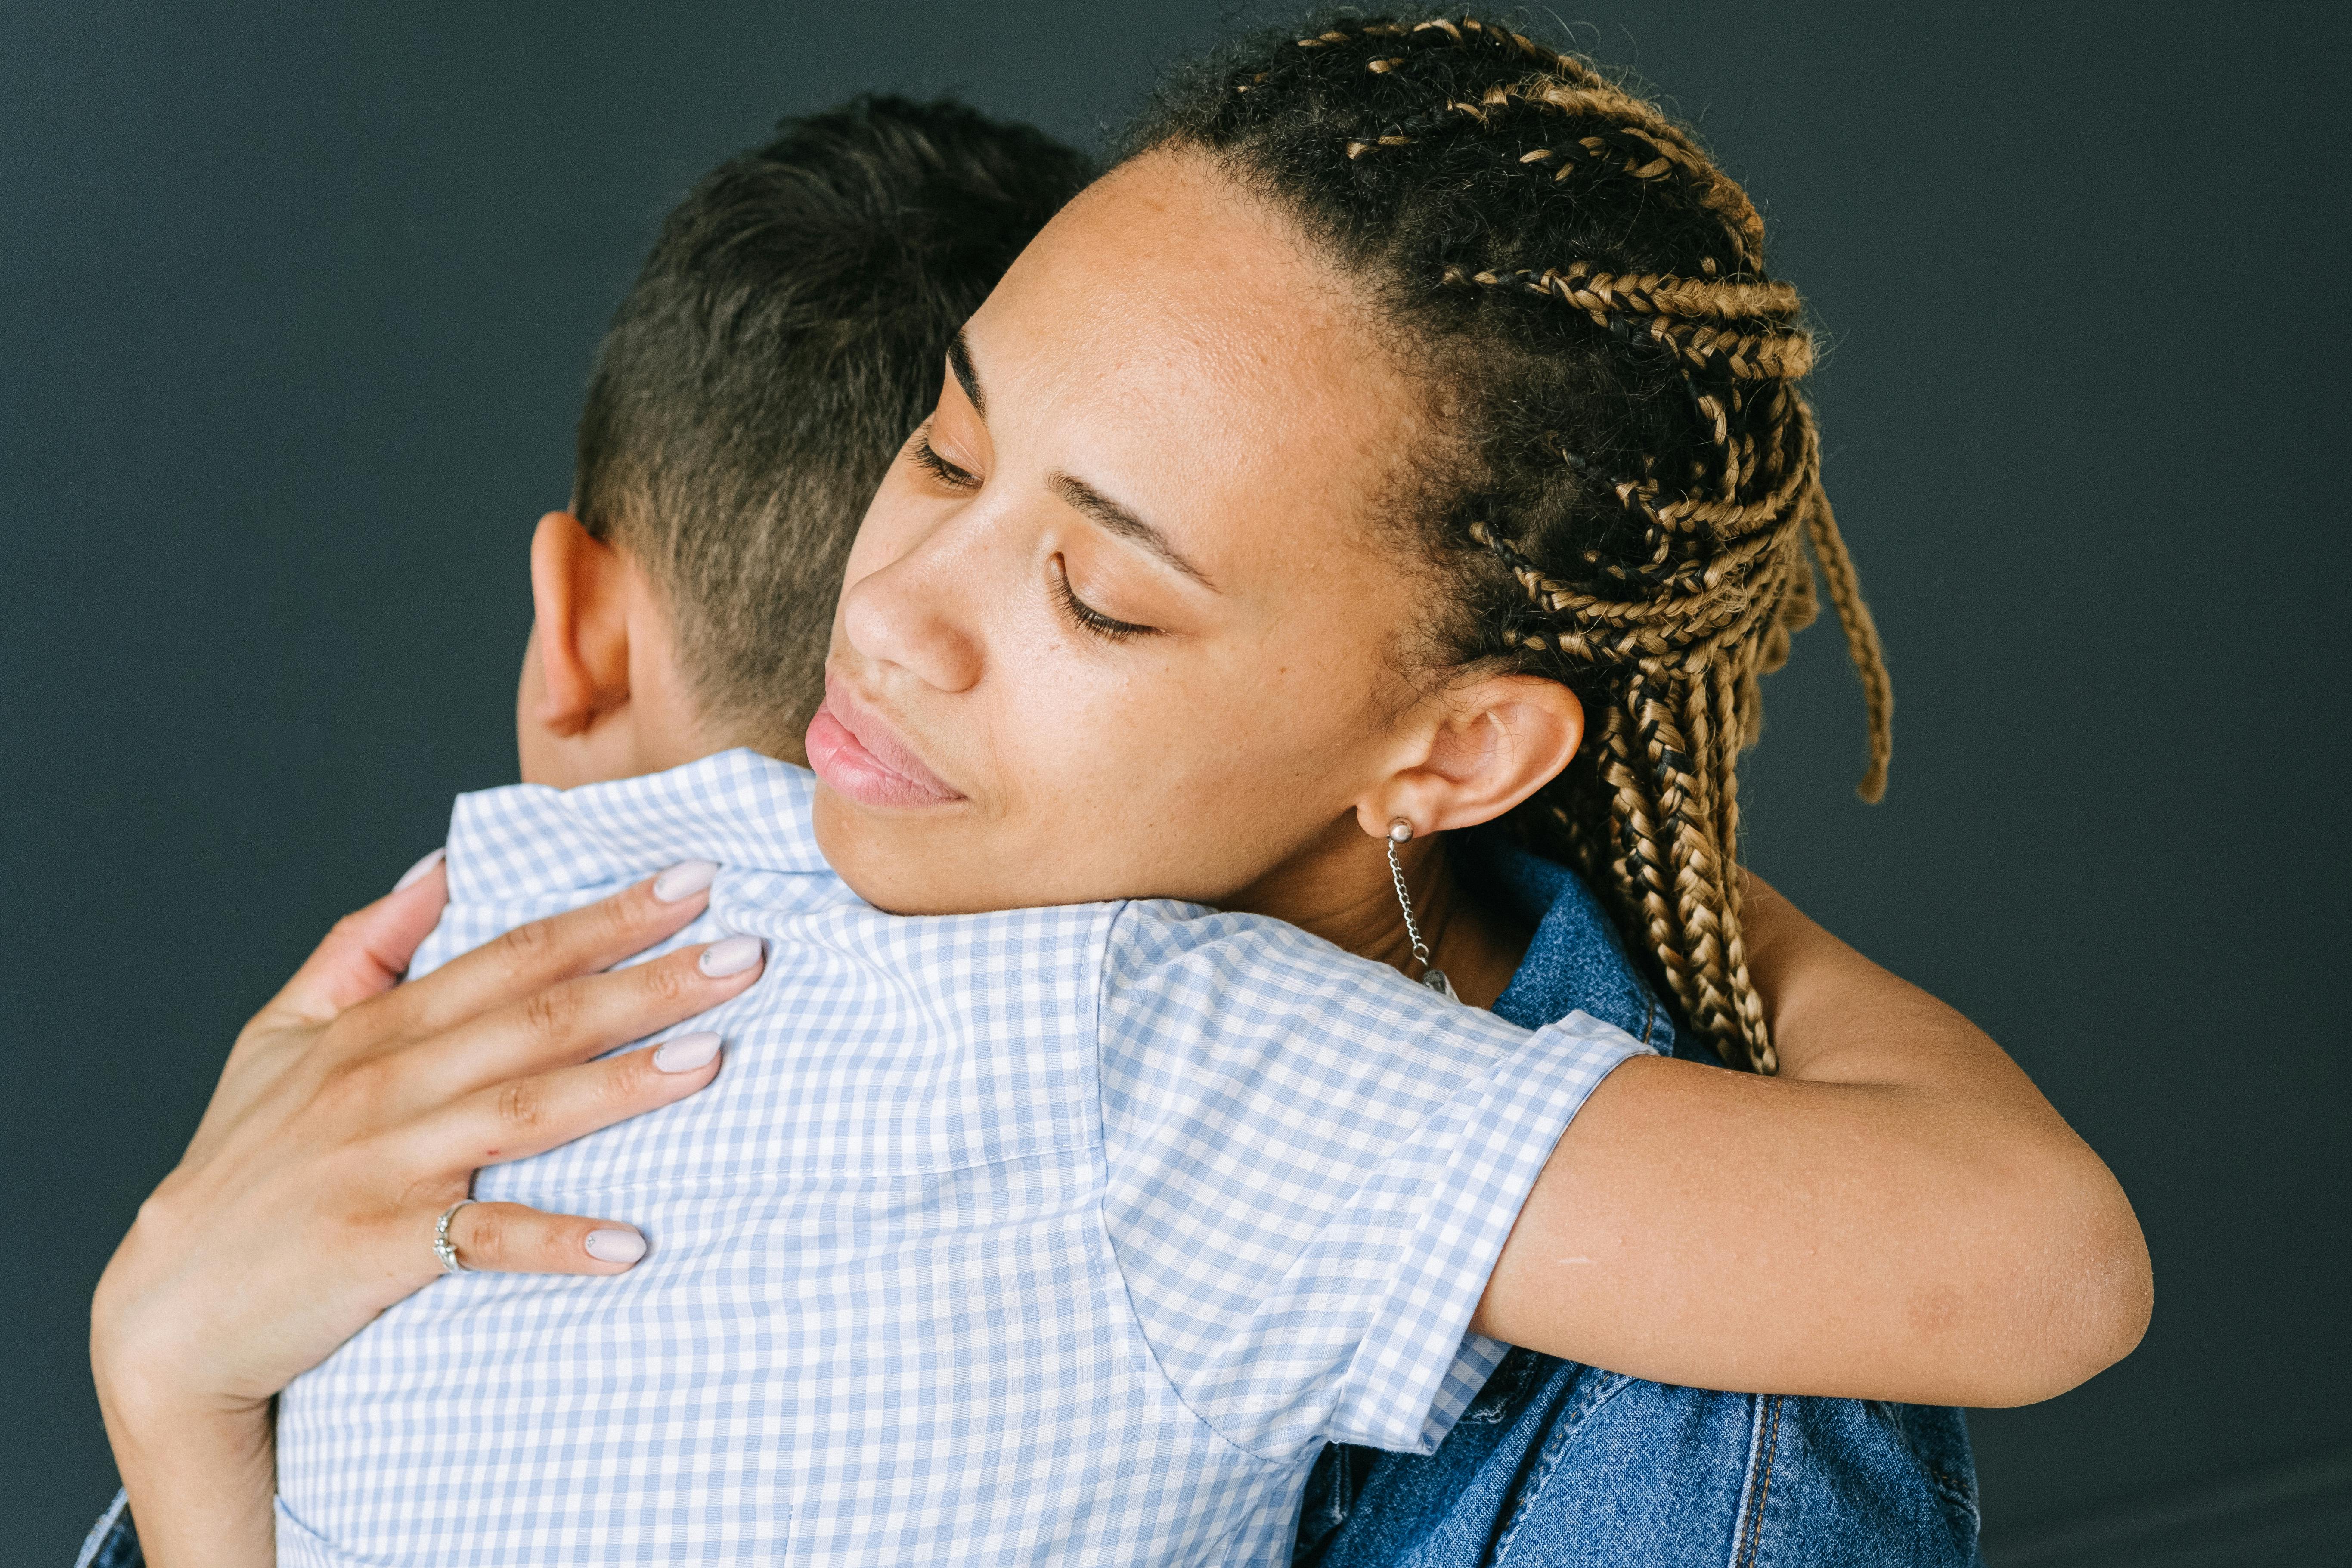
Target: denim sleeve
[{"x": 113, "y": 1541}]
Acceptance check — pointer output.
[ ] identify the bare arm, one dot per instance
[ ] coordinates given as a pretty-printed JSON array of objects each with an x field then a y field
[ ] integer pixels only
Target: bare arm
[{"x": 1899, "y": 1215}]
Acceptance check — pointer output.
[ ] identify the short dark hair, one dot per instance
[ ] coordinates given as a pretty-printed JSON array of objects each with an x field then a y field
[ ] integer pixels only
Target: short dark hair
[{"x": 785, "y": 335}]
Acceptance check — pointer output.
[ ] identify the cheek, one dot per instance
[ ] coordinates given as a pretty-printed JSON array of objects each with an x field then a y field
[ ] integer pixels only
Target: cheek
[{"x": 1183, "y": 774}]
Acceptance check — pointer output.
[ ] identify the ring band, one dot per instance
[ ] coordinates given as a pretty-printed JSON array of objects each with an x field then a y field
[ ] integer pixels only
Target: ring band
[{"x": 443, "y": 1248}]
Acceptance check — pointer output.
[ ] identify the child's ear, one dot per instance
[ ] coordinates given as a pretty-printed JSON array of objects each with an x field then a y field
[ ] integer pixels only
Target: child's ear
[
  {"x": 1495, "y": 742},
  {"x": 579, "y": 637}
]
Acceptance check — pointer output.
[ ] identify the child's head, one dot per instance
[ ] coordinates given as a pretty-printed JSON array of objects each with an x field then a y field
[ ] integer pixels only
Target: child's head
[{"x": 786, "y": 332}]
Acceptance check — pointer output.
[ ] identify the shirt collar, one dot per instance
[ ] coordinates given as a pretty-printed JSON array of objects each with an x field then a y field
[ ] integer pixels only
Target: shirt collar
[{"x": 739, "y": 808}]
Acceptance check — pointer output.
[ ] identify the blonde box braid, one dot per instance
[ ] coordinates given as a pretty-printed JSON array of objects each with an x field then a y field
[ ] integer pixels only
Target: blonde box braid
[{"x": 1634, "y": 478}]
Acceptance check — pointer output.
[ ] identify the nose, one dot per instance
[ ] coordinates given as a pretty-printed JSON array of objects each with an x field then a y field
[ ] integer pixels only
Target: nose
[{"x": 918, "y": 613}]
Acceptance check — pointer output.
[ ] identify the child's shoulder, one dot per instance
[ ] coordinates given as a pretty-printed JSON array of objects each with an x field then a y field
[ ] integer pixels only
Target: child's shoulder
[
  {"x": 1179, "y": 983},
  {"x": 1147, "y": 935}
]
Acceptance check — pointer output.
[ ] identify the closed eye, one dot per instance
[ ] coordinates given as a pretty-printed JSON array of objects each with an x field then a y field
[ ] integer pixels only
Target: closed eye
[
  {"x": 1087, "y": 617},
  {"x": 926, "y": 457}
]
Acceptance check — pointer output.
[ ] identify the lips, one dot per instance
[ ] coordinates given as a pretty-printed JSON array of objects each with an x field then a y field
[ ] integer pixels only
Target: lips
[{"x": 860, "y": 757}]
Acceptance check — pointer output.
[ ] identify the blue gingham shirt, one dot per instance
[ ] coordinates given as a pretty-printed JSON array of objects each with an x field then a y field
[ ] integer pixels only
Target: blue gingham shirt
[{"x": 1054, "y": 1235}]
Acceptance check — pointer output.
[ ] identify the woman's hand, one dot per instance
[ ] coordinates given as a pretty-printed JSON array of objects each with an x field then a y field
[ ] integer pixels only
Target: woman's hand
[{"x": 351, "y": 1113}]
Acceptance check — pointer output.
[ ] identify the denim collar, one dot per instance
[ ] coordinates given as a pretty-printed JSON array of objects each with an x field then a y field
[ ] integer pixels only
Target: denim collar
[{"x": 1576, "y": 962}]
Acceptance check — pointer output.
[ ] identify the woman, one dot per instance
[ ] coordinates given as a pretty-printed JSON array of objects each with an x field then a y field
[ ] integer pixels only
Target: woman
[{"x": 1408, "y": 406}]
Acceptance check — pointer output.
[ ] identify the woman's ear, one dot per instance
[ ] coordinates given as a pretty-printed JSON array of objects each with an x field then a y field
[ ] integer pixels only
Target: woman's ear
[
  {"x": 1495, "y": 742},
  {"x": 580, "y": 632}
]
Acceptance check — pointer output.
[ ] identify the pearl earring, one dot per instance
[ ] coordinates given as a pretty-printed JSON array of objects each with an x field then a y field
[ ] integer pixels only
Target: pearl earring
[{"x": 1400, "y": 832}]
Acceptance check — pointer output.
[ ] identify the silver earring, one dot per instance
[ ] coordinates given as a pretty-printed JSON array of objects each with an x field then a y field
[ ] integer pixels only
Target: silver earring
[{"x": 1401, "y": 832}]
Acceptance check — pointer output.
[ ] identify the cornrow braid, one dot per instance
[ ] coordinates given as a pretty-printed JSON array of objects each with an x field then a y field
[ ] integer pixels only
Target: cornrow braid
[{"x": 1632, "y": 482}]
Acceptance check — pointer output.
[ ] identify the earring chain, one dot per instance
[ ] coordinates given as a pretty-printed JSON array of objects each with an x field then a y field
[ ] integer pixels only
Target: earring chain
[{"x": 1404, "y": 901}]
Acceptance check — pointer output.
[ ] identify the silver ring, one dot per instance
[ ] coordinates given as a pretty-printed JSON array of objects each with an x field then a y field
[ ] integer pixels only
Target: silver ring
[{"x": 443, "y": 1248}]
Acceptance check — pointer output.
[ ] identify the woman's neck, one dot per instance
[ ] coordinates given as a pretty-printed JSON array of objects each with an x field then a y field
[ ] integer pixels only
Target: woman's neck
[{"x": 1341, "y": 891}]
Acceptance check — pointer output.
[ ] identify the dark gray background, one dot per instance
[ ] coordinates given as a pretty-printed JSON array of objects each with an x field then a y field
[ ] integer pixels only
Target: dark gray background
[{"x": 295, "y": 305}]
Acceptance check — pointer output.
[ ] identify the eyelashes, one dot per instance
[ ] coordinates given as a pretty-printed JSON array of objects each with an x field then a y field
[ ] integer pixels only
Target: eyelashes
[
  {"x": 926, "y": 457},
  {"x": 1088, "y": 618},
  {"x": 1076, "y": 611}
]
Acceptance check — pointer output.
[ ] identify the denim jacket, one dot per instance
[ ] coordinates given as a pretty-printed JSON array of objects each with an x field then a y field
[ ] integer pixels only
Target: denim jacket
[{"x": 1561, "y": 1466}]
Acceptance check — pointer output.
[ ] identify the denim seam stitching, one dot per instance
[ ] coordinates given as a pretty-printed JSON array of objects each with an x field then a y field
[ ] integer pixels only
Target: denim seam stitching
[
  {"x": 1575, "y": 1410},
  {"x": 1746, "y": 1478},
  {"x": 1754, "y": 1531}
]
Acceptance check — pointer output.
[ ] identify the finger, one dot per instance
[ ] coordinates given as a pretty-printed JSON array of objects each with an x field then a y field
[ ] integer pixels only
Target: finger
[
  {"x": 532, "y": 957},
  {"x": 366, "y": 952},
  {"x": 508, "y": 1238},
  {"x": 527, "y": 1116},
  {"x": 575, "y": 1020}
]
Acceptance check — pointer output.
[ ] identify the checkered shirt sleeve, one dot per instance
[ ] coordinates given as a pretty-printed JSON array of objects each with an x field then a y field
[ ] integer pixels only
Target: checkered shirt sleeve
[{"x": 1313, "y": 1164}]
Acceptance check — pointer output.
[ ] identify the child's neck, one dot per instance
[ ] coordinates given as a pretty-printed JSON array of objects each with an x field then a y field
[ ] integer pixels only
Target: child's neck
[{"x": 638, "y": 755}]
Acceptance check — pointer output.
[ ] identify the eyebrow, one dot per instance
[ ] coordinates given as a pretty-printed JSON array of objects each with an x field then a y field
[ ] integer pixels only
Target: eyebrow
[
  {"x": 1076, "y": 491},
  {"x": 959, "y": 361},
  {"x": 1125, "y": 523}
]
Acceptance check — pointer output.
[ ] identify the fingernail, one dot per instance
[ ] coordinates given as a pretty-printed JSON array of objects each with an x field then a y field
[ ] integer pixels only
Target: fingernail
[
  {"x": 687, "y": 1052},
  {"x": 422, "y": 869},
  {"x": 684, "y": 880},
  {"x": 733, "y": 956},
  {"x": 615, "y": 1246}
]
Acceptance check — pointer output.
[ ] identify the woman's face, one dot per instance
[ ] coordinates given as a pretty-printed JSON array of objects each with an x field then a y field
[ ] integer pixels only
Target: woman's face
[{"x": 1125, "y": 618}]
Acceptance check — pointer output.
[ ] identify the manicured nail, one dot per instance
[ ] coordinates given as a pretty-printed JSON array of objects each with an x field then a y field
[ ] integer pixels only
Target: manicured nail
[
  {"x": 733, "y": 956},
  {"x": 615, "y": 1246},
  {"x": 684, "y": 880},
  {"x": 687, "y": 1052},
  {"x": 422, "y": 869}
]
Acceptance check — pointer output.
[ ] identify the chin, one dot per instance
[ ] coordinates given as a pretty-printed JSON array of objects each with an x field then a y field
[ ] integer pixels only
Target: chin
[{"x": 898, "y": 865}]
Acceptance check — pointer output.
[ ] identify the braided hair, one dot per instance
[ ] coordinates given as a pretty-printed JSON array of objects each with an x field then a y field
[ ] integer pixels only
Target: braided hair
[{"x": 1631, "y": 478}]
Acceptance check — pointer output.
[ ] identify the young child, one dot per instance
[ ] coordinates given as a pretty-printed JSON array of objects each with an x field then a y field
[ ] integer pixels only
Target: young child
[{"x": 1051, "y": 1235}]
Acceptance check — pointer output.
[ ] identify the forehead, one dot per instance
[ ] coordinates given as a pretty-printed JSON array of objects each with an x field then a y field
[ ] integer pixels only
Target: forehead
[{"x": 1173, "y": 339}]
